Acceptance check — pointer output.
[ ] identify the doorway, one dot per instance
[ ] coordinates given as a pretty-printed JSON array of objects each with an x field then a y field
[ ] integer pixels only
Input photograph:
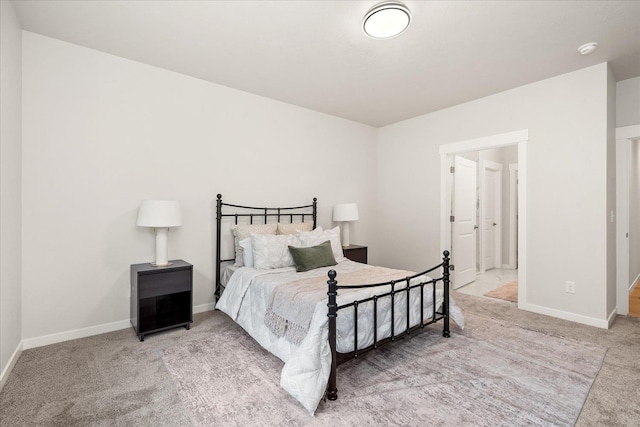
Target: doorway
[
  {"x": 628, "y": 211},
  {"x": 493, "y": 262},
  {"x": 481, "y": 200},
  {"x": 490, "y": 212}
]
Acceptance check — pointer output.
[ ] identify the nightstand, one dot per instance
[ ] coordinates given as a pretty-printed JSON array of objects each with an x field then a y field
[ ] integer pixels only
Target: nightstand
[
  {"x": 355, "y": 253},
  {"x": 161, "y": 297}
]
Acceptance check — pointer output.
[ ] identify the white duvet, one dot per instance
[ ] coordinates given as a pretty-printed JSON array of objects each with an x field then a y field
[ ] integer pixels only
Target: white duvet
[{"x": 307, "y": 365}]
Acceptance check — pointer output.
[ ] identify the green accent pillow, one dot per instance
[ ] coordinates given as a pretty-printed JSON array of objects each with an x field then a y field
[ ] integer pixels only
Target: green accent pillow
[{"x": 313, "y": 257}]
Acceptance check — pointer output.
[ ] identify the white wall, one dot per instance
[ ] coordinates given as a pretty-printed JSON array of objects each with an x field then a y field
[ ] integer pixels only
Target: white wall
[
  {"x": 567, "y": 185},
  {"x": 628, "y": 102},
  {"x": 101, "y": 133},
  {"x": 610, "y": 109},
  {"x": 10, "y": 183}
]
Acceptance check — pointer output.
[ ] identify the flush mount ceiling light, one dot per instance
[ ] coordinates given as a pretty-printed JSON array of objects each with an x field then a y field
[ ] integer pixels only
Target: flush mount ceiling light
[
  {"x": 386, "y": 20},
  {"x": 587, "y": 48}
]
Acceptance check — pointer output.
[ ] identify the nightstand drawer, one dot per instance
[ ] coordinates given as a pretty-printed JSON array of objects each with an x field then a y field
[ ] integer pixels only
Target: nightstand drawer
[{"x": 153, "y": 285}]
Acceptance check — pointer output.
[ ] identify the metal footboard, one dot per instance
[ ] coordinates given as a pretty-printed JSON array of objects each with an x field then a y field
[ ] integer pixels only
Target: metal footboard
[{"x": 443, "y": 314}]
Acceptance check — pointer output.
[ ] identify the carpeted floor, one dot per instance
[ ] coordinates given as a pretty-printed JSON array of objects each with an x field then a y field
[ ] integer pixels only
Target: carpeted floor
[
  {"x": 487, "y": 370},
  {"x": 113, "y": 379},
  {"x": 508, "y": 292}
]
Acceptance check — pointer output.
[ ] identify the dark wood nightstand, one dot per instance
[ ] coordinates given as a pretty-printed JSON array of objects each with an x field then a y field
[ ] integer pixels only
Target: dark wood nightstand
[
  {"x": 355, "y": 253},
  {"x": 161, "y": 297}
]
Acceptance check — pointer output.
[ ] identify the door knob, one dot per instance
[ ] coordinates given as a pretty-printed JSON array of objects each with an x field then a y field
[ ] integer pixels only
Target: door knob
[
  {"x": 475, "y": 227},
  {"x": 494, "y": 224}
]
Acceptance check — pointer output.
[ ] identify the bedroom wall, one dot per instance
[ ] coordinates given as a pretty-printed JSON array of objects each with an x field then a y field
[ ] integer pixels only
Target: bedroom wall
[
  {"x": 610, "y": 107},
  {"x": 567, "y": 185},
  {"x": 102, "y": 132},
  {"x": 628, "y": 102},
  {"x": 10, "y": 187}
]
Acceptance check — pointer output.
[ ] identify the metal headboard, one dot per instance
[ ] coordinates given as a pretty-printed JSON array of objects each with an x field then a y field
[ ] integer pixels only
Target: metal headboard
[{"x": 287, "y": 214}]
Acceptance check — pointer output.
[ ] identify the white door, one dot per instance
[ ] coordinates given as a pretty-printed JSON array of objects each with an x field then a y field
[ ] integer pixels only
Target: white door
[
  {"x": 488, "y": 222},
  {"x": 490, "y": 215},
  {"x": 464, "y": 223}
]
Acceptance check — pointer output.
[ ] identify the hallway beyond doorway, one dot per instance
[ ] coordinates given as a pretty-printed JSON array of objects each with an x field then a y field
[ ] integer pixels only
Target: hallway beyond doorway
[
  {"x": 634, "y": 302},
  {"x": 488, "y": 281}
]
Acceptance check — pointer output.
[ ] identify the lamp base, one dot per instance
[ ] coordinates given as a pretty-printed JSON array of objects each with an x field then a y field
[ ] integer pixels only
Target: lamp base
[
  {"x": 161, "y": 265},
  {"x": 345, "y": 234},
  {"x": 162, "y": 258}
]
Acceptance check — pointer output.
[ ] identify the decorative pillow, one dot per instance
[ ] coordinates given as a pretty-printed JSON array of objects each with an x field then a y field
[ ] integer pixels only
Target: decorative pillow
[
  {"x": 247, "y": 252},
  {"x": 293, "y": 228},
  {"x": 272, "y": 251},
  {"x": 315, "y": 232},
  {"x": 313, "y": 257},
  {"x": 333, "y": 235},
  {"x": 241, "y": 232}
]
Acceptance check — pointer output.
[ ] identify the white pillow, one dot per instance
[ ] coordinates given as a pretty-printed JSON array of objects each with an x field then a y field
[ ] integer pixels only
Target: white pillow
[
  {"x": 312, "y": 239},
  {"x": 272, "y": 251},
  {"x": 315, "y": 232},
  {"x": 247, "y": 252},
  {"x": 241, "y": 232}
]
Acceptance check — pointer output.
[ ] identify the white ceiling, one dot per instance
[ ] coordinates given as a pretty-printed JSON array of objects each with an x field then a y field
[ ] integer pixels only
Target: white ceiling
[{"x": 315, "y": 55}]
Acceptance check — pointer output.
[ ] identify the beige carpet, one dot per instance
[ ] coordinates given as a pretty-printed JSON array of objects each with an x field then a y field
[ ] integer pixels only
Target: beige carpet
[
  {"x": 490, "y": 374},
  {"x": 113, "y": 379},
  {"x": 508, "y": 292}
]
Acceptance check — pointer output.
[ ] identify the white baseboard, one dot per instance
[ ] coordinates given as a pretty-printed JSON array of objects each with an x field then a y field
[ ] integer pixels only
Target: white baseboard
[
  {"x": 12, "y": 362},
  {"x": 75, "y": 334},
  {"x": 204, "y": 307},
  {"x": 93, "y": 330},
  {"x": 612, "y": 318},
  {"x": 565, "y": 315}
]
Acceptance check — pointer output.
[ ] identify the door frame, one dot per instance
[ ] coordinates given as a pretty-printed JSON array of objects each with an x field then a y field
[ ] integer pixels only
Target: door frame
[
  {"x": 485, "y": 165},
  {"x": 624, "y": 136},
  {"x": 521, "y": 138},
  {"x": 513, "y": 216}
]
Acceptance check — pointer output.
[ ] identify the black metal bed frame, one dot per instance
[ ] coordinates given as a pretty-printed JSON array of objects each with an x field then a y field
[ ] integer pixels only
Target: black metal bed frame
[
  {"x": 338, "y": 358},
  {"x": 278, "y": 214}
]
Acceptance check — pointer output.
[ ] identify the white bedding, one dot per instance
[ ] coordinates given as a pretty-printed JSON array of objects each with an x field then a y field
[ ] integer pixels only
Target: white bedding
[
  {"x": 307, "y": 365},
  {"x": 227, "y": 272}
]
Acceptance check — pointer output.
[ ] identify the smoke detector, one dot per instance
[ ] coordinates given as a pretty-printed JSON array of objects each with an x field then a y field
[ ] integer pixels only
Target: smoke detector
[{"x": 587, "y": 48}]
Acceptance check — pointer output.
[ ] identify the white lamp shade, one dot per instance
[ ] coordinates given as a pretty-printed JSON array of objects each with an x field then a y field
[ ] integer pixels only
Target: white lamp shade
[
  {"x": 159, "y": 213},
  {"x": 345, "y": 212}
]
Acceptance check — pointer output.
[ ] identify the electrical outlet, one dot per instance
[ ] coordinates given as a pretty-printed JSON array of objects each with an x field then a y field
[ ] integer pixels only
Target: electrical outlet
[{"x": 570, "y": 287}]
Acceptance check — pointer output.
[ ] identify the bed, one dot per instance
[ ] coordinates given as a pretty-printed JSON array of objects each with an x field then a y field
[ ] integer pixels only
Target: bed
[{"x": 315, "y": 320}]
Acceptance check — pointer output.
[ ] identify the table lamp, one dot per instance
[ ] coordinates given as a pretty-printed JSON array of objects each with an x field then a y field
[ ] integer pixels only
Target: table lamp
[
  {"x": 345, "y": 212},
  {"x": 160, "y": 215}
]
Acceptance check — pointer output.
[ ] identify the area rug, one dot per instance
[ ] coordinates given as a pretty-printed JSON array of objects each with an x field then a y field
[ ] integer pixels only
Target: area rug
[
  {"x": 508, "y": 292},
  {"x": 490, "y": 374}
]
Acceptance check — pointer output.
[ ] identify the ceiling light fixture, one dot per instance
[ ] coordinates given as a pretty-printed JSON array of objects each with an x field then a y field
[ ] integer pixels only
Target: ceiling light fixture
[
  {"x": 386, "y": 20},
  {"x": 587, "y": 48}
]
